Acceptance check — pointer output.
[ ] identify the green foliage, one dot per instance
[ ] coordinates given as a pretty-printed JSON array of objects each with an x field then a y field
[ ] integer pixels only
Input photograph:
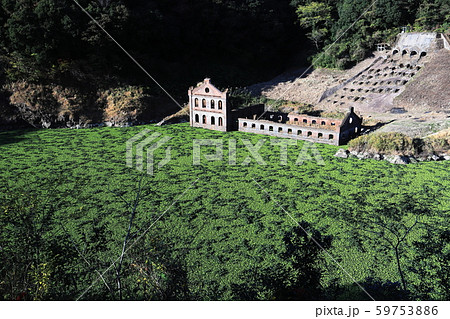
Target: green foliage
[
  {"x": 433, "y": 248},
  {"x": 63, "y": 209},
  {"x": 241, "y": 97},
  {"x": 433, "y": 14},
  {"x": 346, "y": 32},
  {"x": 317, "y": 17}
]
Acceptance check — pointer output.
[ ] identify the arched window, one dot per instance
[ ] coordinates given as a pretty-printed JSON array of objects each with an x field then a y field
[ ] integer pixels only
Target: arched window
[
  {"x": 305, "y": 121},
  {"x": 309, "y": 133},
  {"x": 280, "y": 129},
  {"x": 197, "y": 119},
  {"x": 313, "y": 122},
  {"x": 271, "y": 128},
  {"x": 196, "y": 102},
  {"x": 204, "y": 119},
  {"x": 330, "y": 137},
  {"x": 299, "y": 132},
  {"x": 320, "y": 135},
  {"x": 261, "y": 127},
  {"x": 253, "y": 125},
  {"x": 322, "y": 123},
  {"x": 289, "y": 131},
  {"x": 213, "y": 120},
  {"x": 295, "y": 119},
  {"x": 220, "y": 105},
  {"x": 244, "y": 124},
  {"x": 203, "y": 103},
  {"x": 220, "y": 121},
  {"x": 213, "y": 104}
]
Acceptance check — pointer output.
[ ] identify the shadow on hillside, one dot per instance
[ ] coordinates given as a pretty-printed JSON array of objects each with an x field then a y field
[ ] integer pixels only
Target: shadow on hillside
[
  {"x": 377, "y": 289},
  {"x": 366, "y": 129},
  {"x": 11, "y": 137},
  {"x": 290, "y": 75},
  {"x": 373, "y": 288}
]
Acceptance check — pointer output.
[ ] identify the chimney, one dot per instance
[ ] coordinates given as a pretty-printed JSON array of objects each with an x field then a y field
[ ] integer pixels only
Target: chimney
[
  {"x": 352, "y": 109},
  {"x": 207, "y": 80}
]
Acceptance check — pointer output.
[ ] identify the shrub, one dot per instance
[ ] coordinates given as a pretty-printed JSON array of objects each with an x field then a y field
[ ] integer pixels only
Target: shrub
[
  {"x": 394, "y": 143},
  {"x": 125, "y": 103},
  {"x": 439, "y": 142},
  {"x": 384, "y": 143}
]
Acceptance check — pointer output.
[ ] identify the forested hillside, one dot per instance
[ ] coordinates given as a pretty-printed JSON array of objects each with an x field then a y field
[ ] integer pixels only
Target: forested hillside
[
  {"x": 57, "y": 67},
  {"x": 327, "y": 22}
]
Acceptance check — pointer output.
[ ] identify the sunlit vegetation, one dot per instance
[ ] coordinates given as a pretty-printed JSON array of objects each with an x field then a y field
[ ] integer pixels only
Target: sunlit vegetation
[{"x": 214, "y": 231}]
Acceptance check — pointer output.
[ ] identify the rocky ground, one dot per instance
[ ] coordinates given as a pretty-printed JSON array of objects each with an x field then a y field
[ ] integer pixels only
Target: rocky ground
[{"x": 393, "y": 159}]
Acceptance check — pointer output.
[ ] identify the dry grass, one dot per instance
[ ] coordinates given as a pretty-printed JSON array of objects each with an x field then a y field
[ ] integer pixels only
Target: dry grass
[{"x": 394, "y": 143}]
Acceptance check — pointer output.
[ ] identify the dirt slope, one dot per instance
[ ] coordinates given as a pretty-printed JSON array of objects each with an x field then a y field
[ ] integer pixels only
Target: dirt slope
[{"x": 430, "y": 89}]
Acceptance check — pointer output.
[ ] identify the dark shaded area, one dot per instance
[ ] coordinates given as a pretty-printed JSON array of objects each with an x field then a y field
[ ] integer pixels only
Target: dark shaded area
[
  {"x": 11, "y": 137},
  {"x": 366, "y": 129},
  {"x": 377, "y": 289},
  {"x": 53, "y": 43},
  {"x": 178, "y": 42}
]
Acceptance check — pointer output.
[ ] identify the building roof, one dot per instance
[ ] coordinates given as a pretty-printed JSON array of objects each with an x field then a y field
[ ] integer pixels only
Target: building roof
[{"x": 206, "y": 88}]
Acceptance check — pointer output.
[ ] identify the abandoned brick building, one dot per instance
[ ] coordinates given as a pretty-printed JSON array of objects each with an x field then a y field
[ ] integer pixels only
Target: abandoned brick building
[
  {"x": 209, "y": 109},
  {"x": 377, "y": 83}
]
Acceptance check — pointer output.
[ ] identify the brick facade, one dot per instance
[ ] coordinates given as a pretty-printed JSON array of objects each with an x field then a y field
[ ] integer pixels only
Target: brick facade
[{"x": 209, "y": 109}]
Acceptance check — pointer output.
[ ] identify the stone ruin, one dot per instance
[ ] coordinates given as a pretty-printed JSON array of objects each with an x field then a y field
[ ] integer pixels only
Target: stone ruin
[{"x": 209, "y": 109}]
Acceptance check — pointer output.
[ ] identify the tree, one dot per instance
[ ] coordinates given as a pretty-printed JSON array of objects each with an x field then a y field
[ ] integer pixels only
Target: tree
[
  {"x": 292, "y": 275},
  {"x": 317, "y": 17},
  {"x": 388, "y": 221},
  {"x": 432, "y": 14}
]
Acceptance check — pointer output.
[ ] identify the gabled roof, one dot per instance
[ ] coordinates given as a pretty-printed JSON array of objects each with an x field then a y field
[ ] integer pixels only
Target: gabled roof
[
  {"x": 205, "y": 88},
  {"x": 350, "y": 114}
]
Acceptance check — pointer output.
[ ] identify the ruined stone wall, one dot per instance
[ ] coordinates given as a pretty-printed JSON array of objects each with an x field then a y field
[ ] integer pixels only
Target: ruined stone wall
[
  {"x": 292, "y": 131},
  {"x": 330, "y": 91},
  {"x": 318, "y": 122},
  {"x": 251, "y": 112},
  {"x": 279, "y": 117}
]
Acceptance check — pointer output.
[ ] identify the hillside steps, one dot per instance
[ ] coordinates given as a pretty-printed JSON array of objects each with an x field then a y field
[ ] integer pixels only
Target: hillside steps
[{"x": 377, "y": 85}]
